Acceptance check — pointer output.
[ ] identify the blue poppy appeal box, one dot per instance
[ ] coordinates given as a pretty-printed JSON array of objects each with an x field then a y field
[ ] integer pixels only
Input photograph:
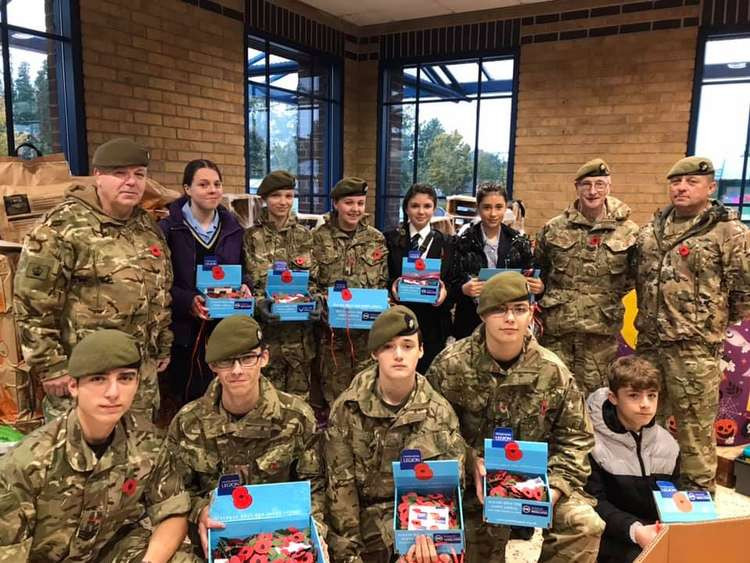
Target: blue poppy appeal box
[
  {"x": 220, "y": 284},
  {"x": 516, "y": 488},
  {"x": 487, "y": 273},
  {"x": 683, "y": 506},
  {"x": 420, "y": 279},
  {"x": 427, "y": 501},
  {"x": 355, "y": 307},
  {"x": 278, "y": 510},
  {"x": 289, "y": 290}
]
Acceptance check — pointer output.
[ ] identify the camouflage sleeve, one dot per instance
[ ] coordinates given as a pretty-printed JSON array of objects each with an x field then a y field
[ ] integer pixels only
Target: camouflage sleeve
[
  {"x": 310, "y": 468},
  {"x": 163, "y": 309},
  {"x": 572, "y": 441},
  {"x": 17, "y": 511},
  {"x": 317, "y": 286},
  {"x": 40, "y": 289},
  {"x": 736, "y": 257},
  {"x": 198, "y": 498},
  {"x": 540, "y": 254},
  {"x": 166, "y": 495},
  {"x": 343, "y": 498},
  {"x": 383, "y": 267},
  {"x": 249, "y": 264}
]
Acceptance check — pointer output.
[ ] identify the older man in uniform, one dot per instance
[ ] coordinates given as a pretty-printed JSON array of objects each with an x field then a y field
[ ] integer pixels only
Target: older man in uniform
[
  {"x": 501, "y": 377},
  {"x": 80, "y": 488},
  {"x": 692, "y": 280},
  {"x": 584, "y": 257},
  {"x": 243, "y": 425},
  {"x": 346, "y": 248},
  {"x": 96, "y": 261},
  {"x": 386, "y": 409}
]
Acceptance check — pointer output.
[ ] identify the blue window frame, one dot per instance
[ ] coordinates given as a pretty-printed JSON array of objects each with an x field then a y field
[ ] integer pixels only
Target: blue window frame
[
  {"x": 41, "y": 78},
  {"x": 445, "y": 123},
  {"x": 293, "y": 119}
]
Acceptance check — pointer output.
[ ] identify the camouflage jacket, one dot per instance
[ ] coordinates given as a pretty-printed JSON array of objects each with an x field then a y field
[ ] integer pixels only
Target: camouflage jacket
[
  {"x": 360, "y": 260},
  {"x": 264, "y": 244},
  {"x": 537, "y": 397},
  {"x": 273, "y": 443},
  {"x": 80, "y": 271},
  {"x": 585, "y": 269},
  {"x": 690, "y": 285},
  {"x": 362, "y": 440},
  {"x": 58, "y": 502}
]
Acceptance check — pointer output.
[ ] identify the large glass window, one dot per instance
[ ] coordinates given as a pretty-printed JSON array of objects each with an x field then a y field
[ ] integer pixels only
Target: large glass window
[
  {"x": 293, "y": 120},
  {"x": 38, "y": 78},
  {"x": 447, "y": 124},
  {"x": 723, "y": 126}
]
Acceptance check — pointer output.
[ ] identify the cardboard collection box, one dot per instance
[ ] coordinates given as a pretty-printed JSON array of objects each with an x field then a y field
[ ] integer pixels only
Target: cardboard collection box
[
  {"x": 683, "y": 506},
  {"x": 412, "y": 475},
  {"x": 220, "y": 283},
  {"x": 420, "y": 279},
  {"x": 356, "y": 307},
  {"x": 249, "y": 510},
  {"x": 284, "y": 283},
  {"x": 527, "y": 460}
]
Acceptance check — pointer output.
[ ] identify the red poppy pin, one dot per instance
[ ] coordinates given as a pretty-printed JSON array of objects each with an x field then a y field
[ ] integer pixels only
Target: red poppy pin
[
  {"x": 286, "y": 276},
  {"x": 129, "y": 487},
  {"x": 217, "y": 272},
  {"x": 346, "y": 294},
  {"x": 422, "y": 472},
  {"x": 241, "y": 498},
  {"x": 235, "y": 559},
  {"x": 595, "y": 241},
  {"x": 512, "y": 451},
  {"x": 419, "y": 264},
  {"x": 155, "y": 250},
  {"x": 684, "y": 250},
  {"x": 300, "y": 260},
  {"x": 377, "y": 254}
]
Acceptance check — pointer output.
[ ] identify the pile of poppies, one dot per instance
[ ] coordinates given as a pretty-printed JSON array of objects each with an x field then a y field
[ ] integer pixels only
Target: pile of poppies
[
  {"x": 282, "y": 546},
  {"x": 436, "y": 500},
  {"x": 516, "y": 485}
]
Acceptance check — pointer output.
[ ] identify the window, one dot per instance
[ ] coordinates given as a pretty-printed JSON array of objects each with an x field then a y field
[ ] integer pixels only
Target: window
[
  {"x": 722, "y": 132},
  {"x": 293, "y": 120},
  {"x": 39, "y": 79},
  {"x": 447, "y": 124}
]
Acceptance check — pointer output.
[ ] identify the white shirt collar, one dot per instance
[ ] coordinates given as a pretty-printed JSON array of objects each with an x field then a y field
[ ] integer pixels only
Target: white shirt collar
[{"x": 422, "y": 233}]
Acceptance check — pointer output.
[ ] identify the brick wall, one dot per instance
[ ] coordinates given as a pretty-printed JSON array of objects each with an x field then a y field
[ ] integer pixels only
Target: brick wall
[{"x": 169, "y": 75}]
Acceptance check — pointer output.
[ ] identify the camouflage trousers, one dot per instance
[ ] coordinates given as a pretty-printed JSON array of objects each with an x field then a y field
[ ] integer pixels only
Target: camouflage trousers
[
  {"x": 574, "y": 536},
  {"x": 146, "y": 403},
  {"x": 292, "y": 349},
  {"x": 131, "y": 548},
  {"x": 586, "y": 355},
  {"x": 690, "y": 376},
  {"x": 342, "y": 354}
]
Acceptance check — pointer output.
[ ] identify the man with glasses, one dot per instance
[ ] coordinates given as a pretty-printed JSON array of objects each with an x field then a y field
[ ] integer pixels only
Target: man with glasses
[
  {"x": 81, "y": 487},
  {"x": 96, "y": 261},
  {"x": 243, "y": 425},
  {"x": 501, "y": 377},
  {"x": 584, "y": 257}
]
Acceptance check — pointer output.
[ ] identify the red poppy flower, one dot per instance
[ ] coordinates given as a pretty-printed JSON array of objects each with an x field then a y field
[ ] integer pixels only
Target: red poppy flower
[
  {"x": 305, "y": 557},
  {"x": 257, "y": 558},
  {"x": 235, "y": 559},
  {"x": 538, "y": 493},
  {"x": 346, "y": 294},
  {"x": 129, "y": 487},
  {"x": 241, "y": 498},
  {"x": 419, "y": 264},
  {"x": 595, "y": 241},
  {"x": 684, "y": 250},
  {"x": 245, "y": 552},
  {"x": 512, "y": 451},
  {"x": 286, "y": 276},
  {"x": 217, "y": 272},
  {"x": 423, "y": 472},
  {"x": 262, "y": 546},
  {"x": 292, "y": 530},
  {"x": 377, "y": 254},
  {"x": 155, "y": 250},
  {"x": 298, "y": 537},
  {"x": 300, "y": 260}
]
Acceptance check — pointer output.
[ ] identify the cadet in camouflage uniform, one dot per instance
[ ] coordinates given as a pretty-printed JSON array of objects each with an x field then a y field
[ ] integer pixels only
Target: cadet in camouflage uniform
[
  {"x": 346, "y": 248},
  {"x": 96, "y": 261},
  {"x": 277, "y": 236},
  {"x": 501, "y": 377},
  {"x": 386, "y": 409},
  {"x": 80, "y": 488},
  {"x": 693, "y": 278},
  {"x": 584, "y": 257},
  {"x": 243, "y": 425}
]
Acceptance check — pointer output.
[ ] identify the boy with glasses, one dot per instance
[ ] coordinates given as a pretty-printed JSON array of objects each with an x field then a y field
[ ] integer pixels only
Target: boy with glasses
[{"x": 243, "y": 425}]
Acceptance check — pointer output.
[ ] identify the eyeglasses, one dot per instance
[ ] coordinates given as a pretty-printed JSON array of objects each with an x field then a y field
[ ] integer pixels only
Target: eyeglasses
[
  {"x": 517, "y": 310},
  {"x": 599, "y": 185},
  {"x": 246, "y": 361}
]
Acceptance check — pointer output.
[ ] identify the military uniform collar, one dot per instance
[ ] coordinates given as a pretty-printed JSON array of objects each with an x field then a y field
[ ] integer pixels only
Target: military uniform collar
[
  {"x": 518, "y": 374},
  {"x": 371, "y": 405},
  {"x": 87, "y": 196},
  {"x": 714, "y": 213},
  {"x": 81, "y": 457},
  {"x": 332, "y": 222},
  {"x": 265, "y": 220},
  {"x": 612, "y": 208},
  {"x": 217, "y": 421}
]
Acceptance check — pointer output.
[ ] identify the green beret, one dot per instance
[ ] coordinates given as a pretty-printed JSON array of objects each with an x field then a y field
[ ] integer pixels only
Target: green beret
[
  {"x": 232, "y": 337},
  {"x": 502, "y": 288},
  {"x": 276, "y": 180},
  {"x": 118, "y": 153},
  {"x": 102, "y": 351},
  {"x": 398, "y": 320},
  {"x": 693, "y": 166},
  {"x": 349, "y": 186},
  {"x": 596, "y": 167}
]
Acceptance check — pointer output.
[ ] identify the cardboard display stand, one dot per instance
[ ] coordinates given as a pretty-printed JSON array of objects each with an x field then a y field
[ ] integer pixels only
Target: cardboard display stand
[
  {"x": 283, "y": 282},
  {"x": 355, "y": 308},
  {"x": 213, "y": 279},
  {"x": 420, "y": 279}
]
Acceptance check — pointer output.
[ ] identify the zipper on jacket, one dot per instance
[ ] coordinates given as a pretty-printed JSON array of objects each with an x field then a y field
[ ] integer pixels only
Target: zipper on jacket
[{"x": 638, "y": 439}]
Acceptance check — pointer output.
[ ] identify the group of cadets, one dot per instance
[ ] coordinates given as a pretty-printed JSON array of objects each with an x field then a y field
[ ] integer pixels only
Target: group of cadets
[{"x": 99, "y": 284}]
